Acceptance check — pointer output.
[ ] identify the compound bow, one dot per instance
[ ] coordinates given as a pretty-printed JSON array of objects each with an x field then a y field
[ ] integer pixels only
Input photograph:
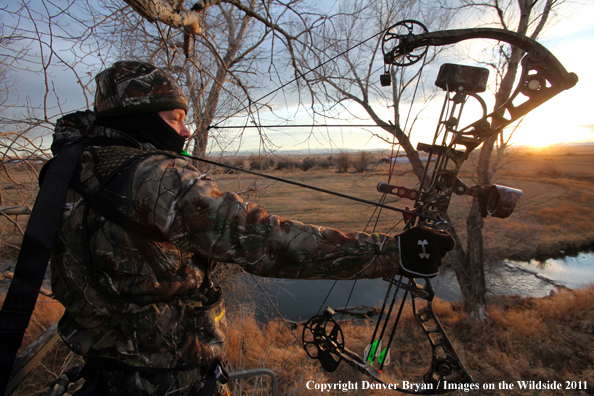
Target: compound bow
[{"x": 542, "y": 77}]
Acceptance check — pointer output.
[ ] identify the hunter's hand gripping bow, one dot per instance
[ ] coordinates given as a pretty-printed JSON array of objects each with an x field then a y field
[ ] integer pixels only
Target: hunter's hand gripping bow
[{"x": 542, "y": 77}]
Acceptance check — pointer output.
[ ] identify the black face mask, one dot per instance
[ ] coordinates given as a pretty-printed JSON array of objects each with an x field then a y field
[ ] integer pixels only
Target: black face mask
[{"x": 146, "y": 128}]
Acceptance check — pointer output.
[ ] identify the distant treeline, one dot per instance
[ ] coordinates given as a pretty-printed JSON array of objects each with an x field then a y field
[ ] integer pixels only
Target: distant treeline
[{"x": 342, "y": 162}]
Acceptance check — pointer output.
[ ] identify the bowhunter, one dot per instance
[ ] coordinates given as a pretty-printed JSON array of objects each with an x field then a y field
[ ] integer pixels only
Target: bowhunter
[{"x": 141, "y": 230}]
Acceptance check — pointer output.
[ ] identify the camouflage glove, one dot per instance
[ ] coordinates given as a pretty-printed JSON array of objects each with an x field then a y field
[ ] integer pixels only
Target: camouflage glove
[{"x": 422, "y": 250}]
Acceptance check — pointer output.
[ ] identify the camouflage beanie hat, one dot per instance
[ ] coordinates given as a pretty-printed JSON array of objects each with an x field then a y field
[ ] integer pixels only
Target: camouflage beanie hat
[{"x": 131, "y": 87}]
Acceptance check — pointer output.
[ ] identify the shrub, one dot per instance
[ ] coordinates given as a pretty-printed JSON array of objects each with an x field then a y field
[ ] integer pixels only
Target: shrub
[
  {"x": 286, "y": 164},
  {"x": 308, "y": 164},
  {"x": 361, "y": 163},
  {"x": 238, "y": 162},
  {"x": 549, "y": 170},
  {"x": 260, "y": 162},
  {"x": 342, "y": 161},
  {"x": 325, "y": 164}
]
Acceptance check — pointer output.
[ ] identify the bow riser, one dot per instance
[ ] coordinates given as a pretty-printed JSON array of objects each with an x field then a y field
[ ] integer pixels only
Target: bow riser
[
  {"x": 539, "y": 82},
  {"x": 445, "y": 363}
]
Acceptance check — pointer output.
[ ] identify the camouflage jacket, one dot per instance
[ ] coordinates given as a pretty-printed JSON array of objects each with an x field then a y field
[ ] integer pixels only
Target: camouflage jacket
[{"x": 143, "y": 301}]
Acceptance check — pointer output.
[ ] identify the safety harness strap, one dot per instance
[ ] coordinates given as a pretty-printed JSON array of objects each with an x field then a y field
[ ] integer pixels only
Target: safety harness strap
[
  {"x": 34, "y": 256},
  {"x": 36, "y": 248},
  {"x": 216, "y": 373},
  {"x": 107, "y": 210}
]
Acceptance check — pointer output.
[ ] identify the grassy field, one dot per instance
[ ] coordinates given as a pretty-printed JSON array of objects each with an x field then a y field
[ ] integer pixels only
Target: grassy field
[
  {"x": 525, "y": 339},
  {"x": 555, "y": 213}
]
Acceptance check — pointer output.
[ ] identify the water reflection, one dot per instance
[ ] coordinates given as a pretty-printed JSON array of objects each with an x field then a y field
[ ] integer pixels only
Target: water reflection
[
  {"x": 299, "y": 300},
  {"x": 572, "y": 272}
]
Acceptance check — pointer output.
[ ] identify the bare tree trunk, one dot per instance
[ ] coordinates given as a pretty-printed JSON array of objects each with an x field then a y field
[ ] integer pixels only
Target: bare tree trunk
[
  {"x": 474, "y": 288},
  {"x": 411, "y": 153},
  {"x": 205, "y": 118},
  {"x": 472, "y": 277}
]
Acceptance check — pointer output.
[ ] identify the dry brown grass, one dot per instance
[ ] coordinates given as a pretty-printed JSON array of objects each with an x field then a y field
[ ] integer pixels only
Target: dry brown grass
[
  {"x": 555, "y": 213},
  {"x": 524, "y": 339},
  {"x": 542, "y": 339},
  {"x": 47, "y": 312},
  {"x": 546, "y": 339},
  {"x": 18, "y": 187},
  {"x": 53, "y": 364}
]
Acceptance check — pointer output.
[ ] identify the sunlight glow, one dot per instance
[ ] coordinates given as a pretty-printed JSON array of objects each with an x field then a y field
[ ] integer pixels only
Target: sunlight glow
[{"x": 568, "y": 117}]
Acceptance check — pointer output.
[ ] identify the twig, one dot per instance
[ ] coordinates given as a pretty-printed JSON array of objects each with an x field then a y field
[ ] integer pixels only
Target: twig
[
  {"x": 13, "y": 222},
  {"x": 15, "y": 210},
  {"x": 37, "y": 322},
  {"x": 11, "y": 245}
]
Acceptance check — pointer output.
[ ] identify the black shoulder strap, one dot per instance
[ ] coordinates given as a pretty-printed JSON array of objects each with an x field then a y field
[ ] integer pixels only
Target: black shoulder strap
[
  {"x": 38, "y": 243},
  {"x": 34, "y": 256}
]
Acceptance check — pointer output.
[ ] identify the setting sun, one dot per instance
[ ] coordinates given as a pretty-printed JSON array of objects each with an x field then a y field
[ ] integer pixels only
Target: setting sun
[
  {"x": 558, "y": 121},
  {"x": 567, "y": 118}
]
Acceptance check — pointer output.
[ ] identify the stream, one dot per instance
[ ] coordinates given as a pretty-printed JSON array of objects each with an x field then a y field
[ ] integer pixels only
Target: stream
[{"x": 300, "y": 299}]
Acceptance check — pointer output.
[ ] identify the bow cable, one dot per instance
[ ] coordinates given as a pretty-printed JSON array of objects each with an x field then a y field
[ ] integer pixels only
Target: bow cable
[
  {"x": 300, "y": 185},
  {"x": 383, "y": 198},
  {"x": 372, "y": 349},
  {"x": 296, "y": 126},
  {"x": 308, "y": 186}
]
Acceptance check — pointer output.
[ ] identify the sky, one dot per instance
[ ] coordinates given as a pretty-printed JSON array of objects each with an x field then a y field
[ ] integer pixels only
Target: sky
[{"x": 567, "y": 118}]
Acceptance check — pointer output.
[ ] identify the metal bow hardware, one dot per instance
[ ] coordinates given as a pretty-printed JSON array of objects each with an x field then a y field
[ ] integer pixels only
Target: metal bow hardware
[
  {"x": 541, "y": 78},
  {"x": 323, "y": 340}
]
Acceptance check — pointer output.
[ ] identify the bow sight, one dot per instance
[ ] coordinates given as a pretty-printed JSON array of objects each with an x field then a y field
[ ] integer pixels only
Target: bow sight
[{"x": 460, "y": 83}]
